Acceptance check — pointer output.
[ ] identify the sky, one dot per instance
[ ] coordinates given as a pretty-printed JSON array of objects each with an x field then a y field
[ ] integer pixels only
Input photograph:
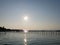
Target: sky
[{"x": 42, "y": 14}]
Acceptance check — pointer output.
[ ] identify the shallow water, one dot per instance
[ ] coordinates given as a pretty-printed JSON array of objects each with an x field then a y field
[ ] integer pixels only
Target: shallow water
[{"x": 30, "y": 38}]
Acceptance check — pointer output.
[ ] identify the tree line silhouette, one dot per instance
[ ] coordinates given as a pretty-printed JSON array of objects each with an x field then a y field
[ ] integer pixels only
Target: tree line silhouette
[{"x": 3, "y": 29}]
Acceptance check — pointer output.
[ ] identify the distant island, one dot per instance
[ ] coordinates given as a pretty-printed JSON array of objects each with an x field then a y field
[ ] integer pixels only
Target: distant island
[
  {"x": 3, "y": 29},
  {"x": 44, "y": 30}
]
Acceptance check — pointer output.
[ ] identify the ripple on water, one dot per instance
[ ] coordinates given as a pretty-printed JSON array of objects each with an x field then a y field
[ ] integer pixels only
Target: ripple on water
[{"x": 7, "y": 44}]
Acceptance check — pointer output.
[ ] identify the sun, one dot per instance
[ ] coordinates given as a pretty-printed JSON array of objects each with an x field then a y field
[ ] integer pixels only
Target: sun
[{"x": 25, "y": 17}]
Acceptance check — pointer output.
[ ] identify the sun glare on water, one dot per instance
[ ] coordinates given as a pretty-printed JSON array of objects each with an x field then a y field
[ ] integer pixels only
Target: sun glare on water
[{"x": 25, "y": 31}]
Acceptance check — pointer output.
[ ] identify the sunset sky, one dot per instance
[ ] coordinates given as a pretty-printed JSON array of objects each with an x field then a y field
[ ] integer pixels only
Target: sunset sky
[{"x": 42, "y": 14}]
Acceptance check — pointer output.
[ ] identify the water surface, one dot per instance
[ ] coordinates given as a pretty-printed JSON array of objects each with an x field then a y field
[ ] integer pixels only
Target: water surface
[{"x": 30, "y": 38}]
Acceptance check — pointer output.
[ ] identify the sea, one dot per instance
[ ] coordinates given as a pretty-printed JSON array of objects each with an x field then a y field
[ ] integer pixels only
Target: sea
[{"x": 30, "y": 38}]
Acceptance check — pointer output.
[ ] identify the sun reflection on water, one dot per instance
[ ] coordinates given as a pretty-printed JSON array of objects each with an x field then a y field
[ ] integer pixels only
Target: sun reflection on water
[
  {"x": 25, "y": 31},
  {"x": 25, "y": 37}
]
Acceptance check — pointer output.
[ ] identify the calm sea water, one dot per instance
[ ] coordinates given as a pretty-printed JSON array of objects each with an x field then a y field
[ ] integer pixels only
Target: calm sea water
[{"x": 30, "y": 38}]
